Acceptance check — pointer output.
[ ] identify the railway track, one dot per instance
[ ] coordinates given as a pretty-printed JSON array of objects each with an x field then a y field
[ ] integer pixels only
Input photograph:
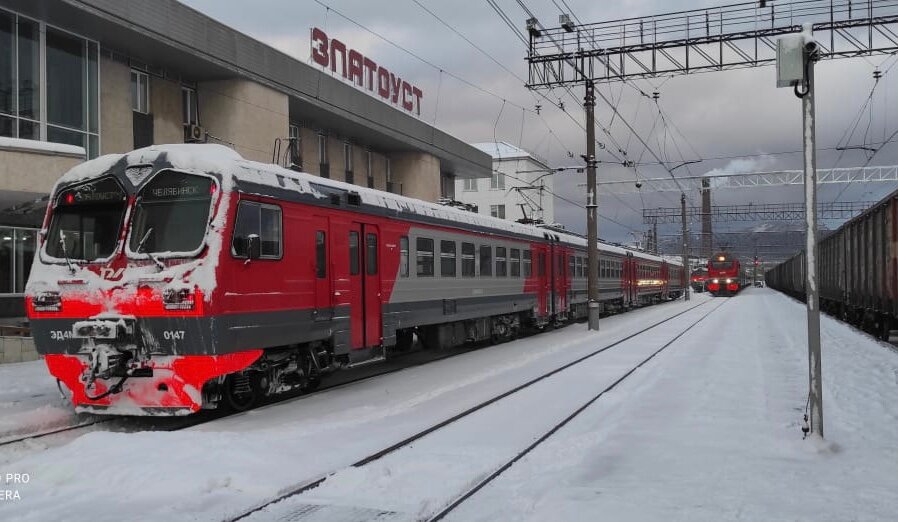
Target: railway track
[
  {"x": 392, "y": 365},
  {"x": 407, "y": 442}
]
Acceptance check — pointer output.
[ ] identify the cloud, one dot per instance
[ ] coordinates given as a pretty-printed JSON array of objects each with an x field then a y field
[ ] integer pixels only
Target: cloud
[{"x": 712, "y": 115}]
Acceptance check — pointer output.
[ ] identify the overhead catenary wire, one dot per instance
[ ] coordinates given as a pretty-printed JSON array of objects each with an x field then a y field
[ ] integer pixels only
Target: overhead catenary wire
[{"x": 436, "y": 67}]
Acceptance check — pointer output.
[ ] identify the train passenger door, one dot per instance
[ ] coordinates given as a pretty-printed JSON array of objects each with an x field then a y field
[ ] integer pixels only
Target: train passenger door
[
  {"x": 550, "y": 278},
  {"x": 629, "y": 279},
  {"x": 323, "y": 269},
  {"x": 561, "y": 280},
  {"x": 542, "y": 279},
  {"x": 365, "y": 284}
]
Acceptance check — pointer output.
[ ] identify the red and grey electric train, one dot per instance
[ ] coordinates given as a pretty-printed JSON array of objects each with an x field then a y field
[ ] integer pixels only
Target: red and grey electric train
[
  {"x": 725, "y": 276},
  {"x": 181, "y": 277}
]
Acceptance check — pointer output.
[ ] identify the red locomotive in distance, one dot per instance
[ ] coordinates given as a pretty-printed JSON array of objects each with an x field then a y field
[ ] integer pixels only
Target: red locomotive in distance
[
  {"x": 181, "y": 277},
  {"x": 699, "y": 279},
  {"x": 724, "y": 274}
]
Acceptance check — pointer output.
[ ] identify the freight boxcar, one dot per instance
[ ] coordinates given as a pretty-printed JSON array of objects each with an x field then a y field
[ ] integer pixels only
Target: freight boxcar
[{"x": 857, "y": 268}]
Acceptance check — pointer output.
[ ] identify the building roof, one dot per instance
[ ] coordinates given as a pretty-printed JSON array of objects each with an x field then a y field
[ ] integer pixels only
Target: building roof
[
  {"x": 168, "y": 36},
  {"x": 506, "y": 151}
]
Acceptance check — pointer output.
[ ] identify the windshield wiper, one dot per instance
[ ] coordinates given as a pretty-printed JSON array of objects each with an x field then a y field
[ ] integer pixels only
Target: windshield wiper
[
  {"x": 143, "y": 241},
  {"x": 65, "y": 253}
]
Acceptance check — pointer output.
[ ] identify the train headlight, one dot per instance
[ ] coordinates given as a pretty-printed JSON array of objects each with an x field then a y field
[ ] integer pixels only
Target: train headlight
[
  {"x": 47, "y": 302},
  {"x": 178, "y": 299},
  {"x": 715, "y": 281},
  {"x": 729, "y": 280}
]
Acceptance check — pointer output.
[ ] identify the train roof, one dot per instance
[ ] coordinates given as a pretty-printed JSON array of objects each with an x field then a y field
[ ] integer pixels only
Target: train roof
[{"x": 248, "y": 176}]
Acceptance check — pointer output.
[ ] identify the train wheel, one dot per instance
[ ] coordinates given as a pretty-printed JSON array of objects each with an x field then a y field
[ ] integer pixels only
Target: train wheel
[
  {"x": 885, "y": 327},
  {"x": 313, "y": 376},
  {"x": 405, "y": 338},
  {"x": 241, "y": 391}
]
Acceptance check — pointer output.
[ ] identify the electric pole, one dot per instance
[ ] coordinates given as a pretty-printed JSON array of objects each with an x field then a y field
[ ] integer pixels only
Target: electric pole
[
  {"x": 795, "y": 57},
  {"x": 592, "y": 225},
  {"x": 686, "y": 270},
  {"x": 815, "y": 372}
]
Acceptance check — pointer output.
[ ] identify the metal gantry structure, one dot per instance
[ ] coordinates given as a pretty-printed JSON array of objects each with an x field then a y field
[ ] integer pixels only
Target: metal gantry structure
[
  {"x": 702, "y": 40},
  {"x": 775, "y": 178},
  {"x": 751, "y": 212},
  {"x": 747, "y": 34}
]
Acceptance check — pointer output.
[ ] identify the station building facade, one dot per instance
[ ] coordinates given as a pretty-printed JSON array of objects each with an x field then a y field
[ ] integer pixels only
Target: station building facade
[
  {"x": 520, "y": 185},
  {"x": 81, "y": 78}
]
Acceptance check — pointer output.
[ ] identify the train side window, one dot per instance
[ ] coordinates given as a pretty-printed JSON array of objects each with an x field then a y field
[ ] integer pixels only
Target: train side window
[
  {"x": 528, "y": 263},
  {"x": 353, "y": 252},
  {"x": 424, "y": 253},
  {"x": 261, "y": 220},
  {"x": 501, "y": 264},
  {"x": 467, "y": 260},
  {"x": 320, "y": 254},
  {"x": 541, "y": 264},
  {"x": 271, "y": 231},
  {"x": 371, "y": 253},
  {"x": 559, "y": 265},
  {"x": 403, "y": 256},
  {"x": 447, "y": 259},
  {"x": 515, "y": 262},
  {"x": 579, "y": 266},
  {"x": 486, "y": 261},
  {"x": 571, "y": 266}
]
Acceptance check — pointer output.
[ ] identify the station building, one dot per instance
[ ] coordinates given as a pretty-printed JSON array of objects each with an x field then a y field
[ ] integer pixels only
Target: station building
[
  {"x": 81, "y": 78},
  {"x": 520, "y": 185}
]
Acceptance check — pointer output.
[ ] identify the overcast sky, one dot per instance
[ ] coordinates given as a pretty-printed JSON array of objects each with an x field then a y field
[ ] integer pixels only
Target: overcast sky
[{"x": 729, "y": 113}]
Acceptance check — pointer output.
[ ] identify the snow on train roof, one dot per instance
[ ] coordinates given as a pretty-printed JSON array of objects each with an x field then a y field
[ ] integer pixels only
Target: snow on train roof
[{"x": 223, "y": 160}]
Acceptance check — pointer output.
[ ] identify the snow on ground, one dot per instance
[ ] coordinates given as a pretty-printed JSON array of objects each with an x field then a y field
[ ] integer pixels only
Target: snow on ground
[
  {"x": 30, "y": 401},
  {"x": 711, "y": 432},
  {"x": 708, "y": 430},
  {"x": 223, "y": 467},
  {"x": 432, "y": 469}
]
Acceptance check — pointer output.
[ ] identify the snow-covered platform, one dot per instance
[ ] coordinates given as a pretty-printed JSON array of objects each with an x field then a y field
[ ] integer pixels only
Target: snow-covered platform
[{"x": 709, "y": 429}]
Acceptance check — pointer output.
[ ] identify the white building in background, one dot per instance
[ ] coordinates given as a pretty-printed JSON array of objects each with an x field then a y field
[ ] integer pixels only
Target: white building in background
[{"x": 521, "y": 185}]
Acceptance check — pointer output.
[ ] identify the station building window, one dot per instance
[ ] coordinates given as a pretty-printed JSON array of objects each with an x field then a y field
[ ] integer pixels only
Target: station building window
[
  {"x": 54, "y": 99},
  {"x": 470, "y": 185},
  {"x": 323, "y": 165},
  {"x": 189, "y": 112},
  {"x": 347, "y": 161},
  {"x": 140, "y": 92},
  {"x": 497, "y": 181},
  {"x": 17, "y": 247}
]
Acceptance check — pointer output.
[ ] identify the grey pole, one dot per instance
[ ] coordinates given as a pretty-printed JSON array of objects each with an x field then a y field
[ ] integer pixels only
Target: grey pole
[
  {"x": 815, "y": 373},
  {"x": 592, "y": 232},
  {"x": 685, "y": 246}
]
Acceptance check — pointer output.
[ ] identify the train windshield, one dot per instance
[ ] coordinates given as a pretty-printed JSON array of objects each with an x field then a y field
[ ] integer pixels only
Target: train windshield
[
  {"x": 87, "y": 220},
  {"x": 171, "y": 214},
  {"x": 721, "y": 265}
]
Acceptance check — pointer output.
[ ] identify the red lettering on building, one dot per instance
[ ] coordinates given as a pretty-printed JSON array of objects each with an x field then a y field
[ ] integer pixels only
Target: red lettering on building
[
  {"x": 319, "y": 47},
  {"x": 362, "y": 71},
  {"x": 355, "y": 67}
]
